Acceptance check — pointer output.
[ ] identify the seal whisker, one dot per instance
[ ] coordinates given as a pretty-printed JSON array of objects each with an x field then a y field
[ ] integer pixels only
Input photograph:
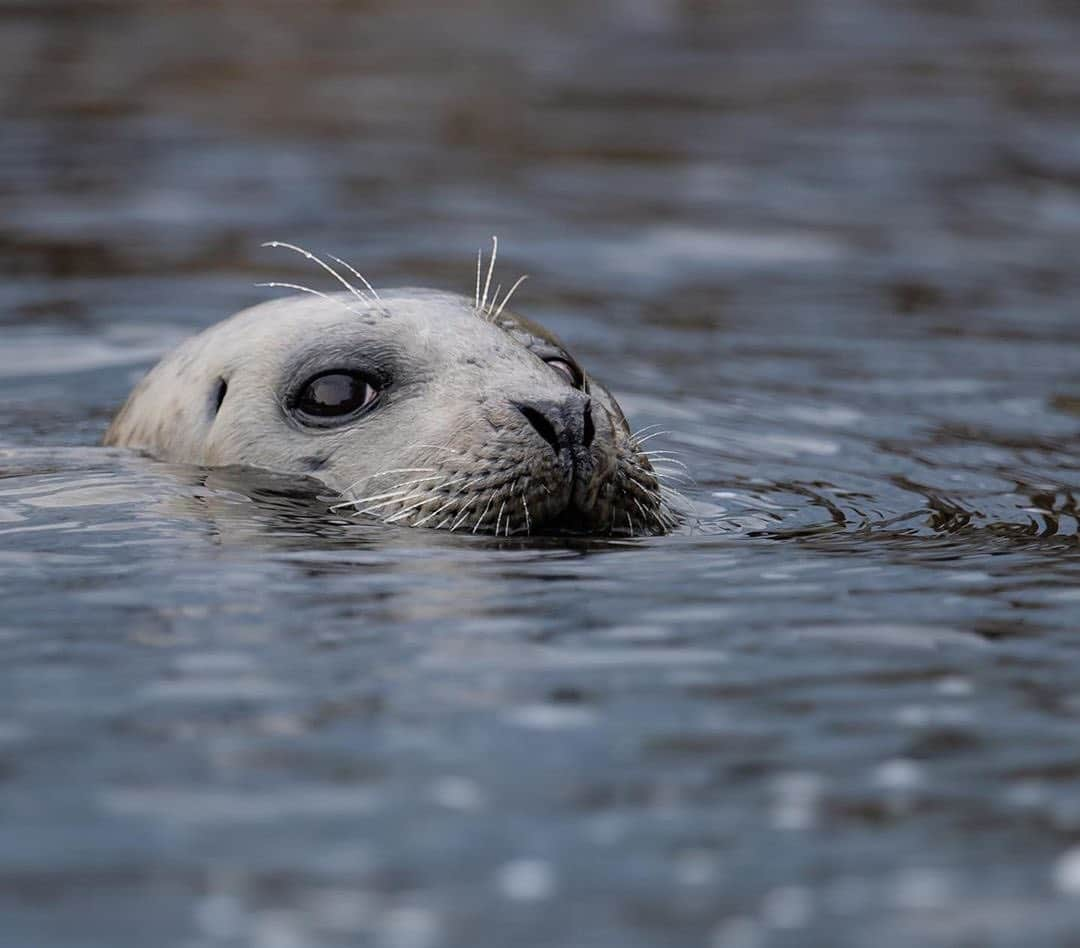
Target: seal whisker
[
  {"x": 649, "y": 493},
  {"x": 528, "y": 519},
  {"x": 641, "y": 431},
  {"x": 397, "y": 470},
  {"x": 655, "y": 434},
  {"x": 661, "y": 457},
  {"x": 679, "y": 473},
  {"x": 453, "y": 500},
  {"x": 506, "y": 299},
  {"x": 479, "y": 258},
  {"x": 308, "y": 289},
  {"x": 680, "y": 484},
  {"x": 661, "y": 496},
  {"x": 322, "y": 263},
  {"x": 633, "y": 480},
  {"x": 502, "y": 507},
  {"x": 396, "y": 500},
  {"x": 491, "y": 270},
  {"x": 418, "y": 480},
  {"x": 356, "y": 273},
  {"x": 393, "y": 470},
  {"x": 674, "y": 499},
  {"x": 449, "y": 503},
  {"x": 677, "y": 476},
  {"x": 669, "y": 455},
  {"x": 401, "y": 513},
  {"x": 669, "y": 491},
  {"x": 483, "y": 513},
  {"x": 645, "y": 514},
  {"x": 399, "y": 489},
  {"x": 431, "y": 492},
  {"x": 360, "y": 501},
  {"x": 464, "y": 510},
  {"x": 396, "y": 488},
  {"x": 510, "y": 497}
]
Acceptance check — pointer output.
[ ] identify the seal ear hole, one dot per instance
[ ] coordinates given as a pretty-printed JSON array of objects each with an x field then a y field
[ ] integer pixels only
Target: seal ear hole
[{"x": 219, "y": 395}]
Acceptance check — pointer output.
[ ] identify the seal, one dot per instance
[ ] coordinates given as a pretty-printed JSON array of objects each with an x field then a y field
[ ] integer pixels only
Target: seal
[{"x": 416, "y": 406}]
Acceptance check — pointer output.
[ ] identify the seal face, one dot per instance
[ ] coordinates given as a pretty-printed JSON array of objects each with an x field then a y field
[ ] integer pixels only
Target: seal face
[{"x": 416, "y": 406}]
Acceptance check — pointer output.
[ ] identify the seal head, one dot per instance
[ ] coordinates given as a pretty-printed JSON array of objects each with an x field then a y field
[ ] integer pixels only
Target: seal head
[{"x": 416, "y": 407}]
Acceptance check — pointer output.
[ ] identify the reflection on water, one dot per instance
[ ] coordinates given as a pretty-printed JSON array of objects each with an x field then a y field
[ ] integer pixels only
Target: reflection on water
[{"x": 828, "y": 247}]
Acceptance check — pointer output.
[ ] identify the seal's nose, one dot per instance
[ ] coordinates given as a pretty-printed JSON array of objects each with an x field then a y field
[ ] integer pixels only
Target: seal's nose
[
  {"x": 562, "y": 424},
  {"x": 536, "y": 417}
]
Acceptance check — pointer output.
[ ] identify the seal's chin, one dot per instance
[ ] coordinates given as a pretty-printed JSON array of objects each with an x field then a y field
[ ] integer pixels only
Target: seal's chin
[
  {"x": 572, "y": 520},
  {"x": 581, "y": 507}
]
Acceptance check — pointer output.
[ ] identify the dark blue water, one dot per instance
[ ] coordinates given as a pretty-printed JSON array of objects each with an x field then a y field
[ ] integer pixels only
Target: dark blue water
[{"x": 830, "y": 247}]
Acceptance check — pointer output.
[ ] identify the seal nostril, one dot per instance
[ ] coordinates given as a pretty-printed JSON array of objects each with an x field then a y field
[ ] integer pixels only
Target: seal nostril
[
  {"x": 543, "y": 427},
  {"x": 588, "y": 429}
]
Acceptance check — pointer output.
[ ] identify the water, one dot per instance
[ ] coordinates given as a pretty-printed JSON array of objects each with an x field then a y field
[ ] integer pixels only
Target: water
[{"x": 829, "y": 246}]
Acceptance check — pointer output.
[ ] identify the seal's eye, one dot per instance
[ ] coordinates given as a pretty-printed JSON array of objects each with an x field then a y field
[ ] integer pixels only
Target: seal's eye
[
  {"x": 568, "y": 369},
  {"x": 332, "y": 395}
]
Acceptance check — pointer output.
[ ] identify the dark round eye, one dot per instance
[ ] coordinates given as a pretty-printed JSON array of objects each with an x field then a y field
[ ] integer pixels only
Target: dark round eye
[
  {"x": 333, "y": 395},
  {"x": 572, "y": 372}
]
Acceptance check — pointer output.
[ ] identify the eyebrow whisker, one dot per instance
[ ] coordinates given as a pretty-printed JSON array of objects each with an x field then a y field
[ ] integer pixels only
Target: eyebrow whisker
[
  {"x": 491, "y": 270},
  {"x": 308, "y": 289},
  {"x": 322, "y": 263},
  {"x": 506, "y": 299},
  {"x": 356, "y": 273},
  {"x": 479, "y": 258}
]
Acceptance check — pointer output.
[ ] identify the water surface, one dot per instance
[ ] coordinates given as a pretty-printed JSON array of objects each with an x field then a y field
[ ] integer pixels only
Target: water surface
[{"x": 828, "y": 247}]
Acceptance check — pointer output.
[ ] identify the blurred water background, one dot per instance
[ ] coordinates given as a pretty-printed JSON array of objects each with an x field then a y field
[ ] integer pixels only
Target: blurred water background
[{"x": 831, "y": 246}]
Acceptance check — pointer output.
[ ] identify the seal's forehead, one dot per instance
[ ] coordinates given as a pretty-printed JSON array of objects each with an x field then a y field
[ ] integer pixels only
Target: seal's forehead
[
  {"x": 421, "y": 328},
  {"x": 420, "y": 313},
  {"x": 433, "y": 305},
  {"x": 285, "y": 322}
]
